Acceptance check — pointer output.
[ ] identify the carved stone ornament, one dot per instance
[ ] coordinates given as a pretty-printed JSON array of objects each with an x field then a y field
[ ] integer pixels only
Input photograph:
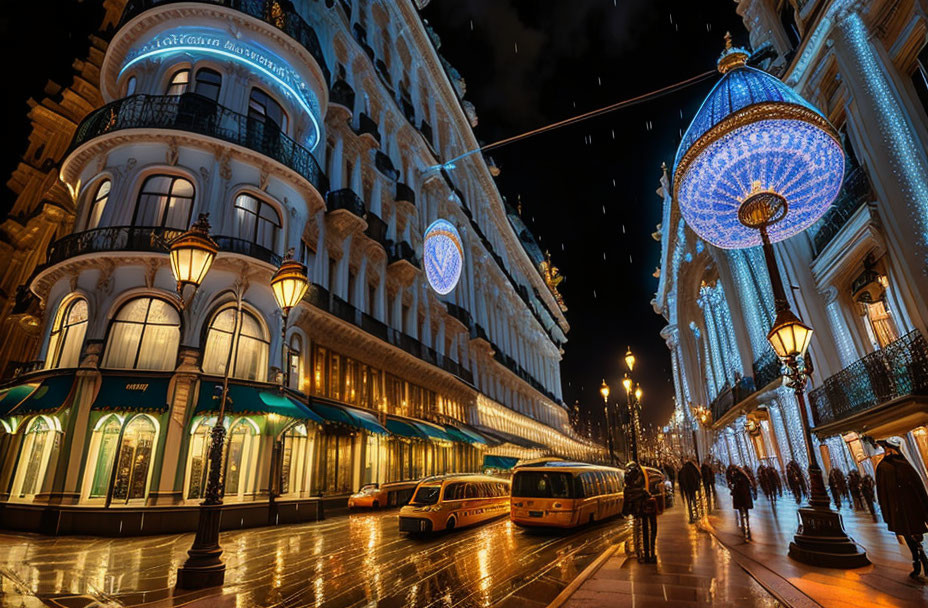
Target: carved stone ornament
[{"x": 173, "y": 154}]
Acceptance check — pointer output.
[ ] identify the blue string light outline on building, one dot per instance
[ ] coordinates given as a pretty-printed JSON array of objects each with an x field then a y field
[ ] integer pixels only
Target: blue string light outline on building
[
  {"x": 214, "y": 42},
  {"x": 443, "y": 256}
]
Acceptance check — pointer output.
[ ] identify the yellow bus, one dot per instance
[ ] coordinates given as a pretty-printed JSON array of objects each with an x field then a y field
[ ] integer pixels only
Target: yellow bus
[
  {"x": 374, "y": 496},
  {"x": 446, "y": 502},
  {"x": 565, "y": 494}
]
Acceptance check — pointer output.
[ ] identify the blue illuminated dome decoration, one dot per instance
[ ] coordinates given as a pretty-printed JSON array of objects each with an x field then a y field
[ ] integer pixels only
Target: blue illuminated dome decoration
[
  {"x": 443, "y": 256},
  {"x": 754, "y": 135}
]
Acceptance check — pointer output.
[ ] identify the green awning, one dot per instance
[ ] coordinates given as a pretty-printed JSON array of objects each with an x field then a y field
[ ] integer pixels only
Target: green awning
[
  {"x": 404, "y": 429},
  {"x": 132, "y": 393},
  {"x": 11, "y": 397},
  {"x": 349, "y": 416},
  {"x": 51, "y": 395},
  {"x": 499, "y": 462},
  {"x": 464, "y": 435},
  {"x": 244, "y": 399},
  {"x": 432, "y": 430}
]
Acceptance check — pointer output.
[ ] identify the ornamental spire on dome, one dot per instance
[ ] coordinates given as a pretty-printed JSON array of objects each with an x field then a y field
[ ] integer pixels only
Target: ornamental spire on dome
[{"x": 732, "y": 57}]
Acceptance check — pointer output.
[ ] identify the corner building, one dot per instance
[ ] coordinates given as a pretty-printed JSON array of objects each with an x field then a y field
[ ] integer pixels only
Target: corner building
[
  {"x": 856, "y": 276},
  {"x": 318, "y": 127}
]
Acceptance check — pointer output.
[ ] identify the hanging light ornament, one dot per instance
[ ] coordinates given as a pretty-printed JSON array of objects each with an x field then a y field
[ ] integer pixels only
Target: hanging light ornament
[{"x": 757, "y": 157}]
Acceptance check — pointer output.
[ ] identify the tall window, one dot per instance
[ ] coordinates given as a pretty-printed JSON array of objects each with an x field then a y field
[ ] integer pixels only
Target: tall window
[
  {"x": 207, "y": 83},
  {"x": 33, "y": 461},
  {"x": 293, "y": 460},
  {"x": 98, "y": 204},
  {"x": 129, "y": 448},
  {"x": 250, "y": 348},
  {"x": 265, "y": 109},
  {"x": 67, "y": 338},
  {"x": 144, "y": 335},
  {"x": 165, "y": 200},
  {"x": 179, "y": 82},
  {"x": 257, "y": 221},
  {"x": 240, "y": 452},
  {"x": 295, "y": 362},
  {"x": 880, "y": 324}
]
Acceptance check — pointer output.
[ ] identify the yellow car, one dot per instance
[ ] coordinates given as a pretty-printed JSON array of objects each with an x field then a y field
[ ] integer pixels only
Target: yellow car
[
  {"x": 374, "y": 496},
  {"x": 454, "y": 501}
]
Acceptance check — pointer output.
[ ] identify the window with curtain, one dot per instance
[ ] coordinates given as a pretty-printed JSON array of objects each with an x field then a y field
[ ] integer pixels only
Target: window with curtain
[
  {"x": 256, "y": 221},
  {"x": 144, "y": 335},
  {"x": 207, "y": 83},
  {"x": 106, "y": 452},
  {"x": 164, "y": 201},
  {"x": 180, "y": 80},
  {"x": 67, "y": 337},
  {"x": 98, "y": 204},
  {"x": 250, "y": 347},
  {"x": 34, "y": 456},
  {"x": 239, "y": 447}
]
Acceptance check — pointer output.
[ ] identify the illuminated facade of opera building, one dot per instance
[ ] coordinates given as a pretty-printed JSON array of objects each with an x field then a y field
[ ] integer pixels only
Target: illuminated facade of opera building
[
  {"x": 856, "y": 276},
  {"x": 319, "y": 127}
]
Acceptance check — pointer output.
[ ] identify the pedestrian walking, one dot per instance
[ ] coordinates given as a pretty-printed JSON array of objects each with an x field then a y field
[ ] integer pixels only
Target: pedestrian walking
[
  {"x": 769, "y": 482},
  {"x": 741, "y": 498},
  {"x": 690, "y": 480},
  {"x": 747, "y": 471},
  {"x": 671, "y": 474},
  {"x": 796, "y": 481},
  {"x": 643, "y": 507},
  {"x": 838, "y": 486},
  {"x": 708, "y": 485},
  {"x": 868, "y": 491},
  {"x": 853, "y": 485},
  {"x": 903, "y": 502}
]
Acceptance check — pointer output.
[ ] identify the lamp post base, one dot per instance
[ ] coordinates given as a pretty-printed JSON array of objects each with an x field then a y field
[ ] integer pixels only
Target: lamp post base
[
  {"x": 822, "y": 541},
  {"x": 203, "y": 567}
]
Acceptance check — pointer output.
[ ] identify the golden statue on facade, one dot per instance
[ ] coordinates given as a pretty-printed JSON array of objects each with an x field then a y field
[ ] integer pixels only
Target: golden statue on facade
[{"x": 553, "y": 278}]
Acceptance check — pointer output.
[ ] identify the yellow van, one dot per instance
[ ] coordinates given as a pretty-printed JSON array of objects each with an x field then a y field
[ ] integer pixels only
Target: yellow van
[{"x": 446, "y": 502}]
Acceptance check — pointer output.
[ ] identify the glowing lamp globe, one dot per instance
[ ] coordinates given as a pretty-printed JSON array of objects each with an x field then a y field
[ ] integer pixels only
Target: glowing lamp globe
[
  {"x": 289, "y": 284},
  {"x": 192, "y": 254},
  {"x": 604, "y": 390},
  {"x": 789, "y": 336},
  {"x": 754, "y": 136},
  {"x": 630, "y": 359},
  {"x": 443, "y": 256}
]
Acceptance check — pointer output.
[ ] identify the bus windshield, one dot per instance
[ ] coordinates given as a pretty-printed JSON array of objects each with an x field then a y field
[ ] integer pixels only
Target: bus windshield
[
  {"x": 426, "y": 495},
  {"x": 541, "y": 484}
]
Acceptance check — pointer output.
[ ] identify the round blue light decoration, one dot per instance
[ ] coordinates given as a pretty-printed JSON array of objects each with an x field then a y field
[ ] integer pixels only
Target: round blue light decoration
[
  {"x": 754, "y": 134},
  {"x": 443, "y": 256}
]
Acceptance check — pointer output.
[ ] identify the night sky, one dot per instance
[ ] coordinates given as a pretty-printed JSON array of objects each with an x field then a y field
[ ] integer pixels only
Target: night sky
[{"x": 587, "y": 191}]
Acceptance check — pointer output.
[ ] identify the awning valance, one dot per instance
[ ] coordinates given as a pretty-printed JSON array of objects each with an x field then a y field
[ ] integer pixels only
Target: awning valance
[
  {"x": 51, "y": 395},
  {"x": 403, "y": 428},
  {"x": 499, "y": 462},
  {"x": 465, "y": 435},
  {"x": 13, "y": 396},
  {"x": 244, "y": 399},
  {"x": 433, "y": 431},
  {"x": 349, "y": 416},
  {"x": 132, "y": 393}
]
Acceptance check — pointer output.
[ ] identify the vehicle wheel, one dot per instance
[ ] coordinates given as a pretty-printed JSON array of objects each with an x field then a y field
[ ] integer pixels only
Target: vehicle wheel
[
  {"x": 375, "y": 505},
  {"x": 450, "y": 524}
]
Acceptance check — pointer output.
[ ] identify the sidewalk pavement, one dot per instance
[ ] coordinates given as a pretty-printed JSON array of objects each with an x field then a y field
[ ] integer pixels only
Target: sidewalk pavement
[
  {"x": 710, "y": 564},
  {"x": 884, "y": 583},
  {"x": 693, "y": 569}
]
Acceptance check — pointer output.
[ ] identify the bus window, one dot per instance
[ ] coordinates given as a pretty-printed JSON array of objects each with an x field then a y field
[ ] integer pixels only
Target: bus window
[
  {"x": 454, "y": 491},
  {"x": 578, "y": 487},
  {"x": 470, "y": 491},
  {"x": 541, "y": 484},
  {"x": 426, "y": 495}
]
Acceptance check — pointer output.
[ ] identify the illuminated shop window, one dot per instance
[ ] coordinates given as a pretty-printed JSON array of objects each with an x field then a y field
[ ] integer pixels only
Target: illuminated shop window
[
  {"x": 250, "y": 346},
  {"x": 239, "y": 459},
  {"x": 144, "y": 335},
  {"x": 123, "y": 458},
  {"x": 67, "y": 337},
  {"x": 98, "y": 204},
  {"x": 294, "y": 460},
  {"x": 164, "y": 201},
  {"x": 38, "y": 443}
]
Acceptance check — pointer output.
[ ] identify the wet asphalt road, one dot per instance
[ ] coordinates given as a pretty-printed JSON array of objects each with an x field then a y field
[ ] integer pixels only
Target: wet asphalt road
[{"x": 347, "y": 561}]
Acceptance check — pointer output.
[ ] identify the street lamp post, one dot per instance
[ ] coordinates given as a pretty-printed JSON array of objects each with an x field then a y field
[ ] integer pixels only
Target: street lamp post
[
  {"x": 289, "y": 285},
  {"x": 604, "y": 391},
  {"x": 628, "y": 384}
]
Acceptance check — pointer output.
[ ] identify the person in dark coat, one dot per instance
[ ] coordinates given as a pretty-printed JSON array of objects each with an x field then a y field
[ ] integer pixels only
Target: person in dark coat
[
  {"x": 903, "y": 502},
  {"x": 671, "y": 474},
  {"x": 708, "y": 485},
  {"x": 853, "y": 486},
  {"x": 747, "y": 471},
  {"x": 868, "y": 491},
  {"x": 838, "y": 486},
  {"x": 796, "y": 480},
  {"x": 638, "y": 503},
  {"x": 742, "y": 498},
  {"x": 690, "y": 480}
]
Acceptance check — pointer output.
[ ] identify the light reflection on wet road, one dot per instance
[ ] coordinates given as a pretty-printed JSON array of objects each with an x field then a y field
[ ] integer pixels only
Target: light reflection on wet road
[{"x": 357, "y": 560}]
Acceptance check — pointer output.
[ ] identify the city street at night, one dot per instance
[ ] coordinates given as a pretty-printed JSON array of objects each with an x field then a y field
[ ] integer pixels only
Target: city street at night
[{"x": 356, "y": 560}]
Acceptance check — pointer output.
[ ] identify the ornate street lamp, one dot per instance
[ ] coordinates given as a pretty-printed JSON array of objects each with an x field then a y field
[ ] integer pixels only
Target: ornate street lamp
[
  {"x": 604, "y": 391},
  {"x": 757, "y": 165},
  {"x": 192, "y": 255},
  {"x": 289, "y": 285},
  {"x": 630, "y": 359},
  {"x": 631, "y": 389}
]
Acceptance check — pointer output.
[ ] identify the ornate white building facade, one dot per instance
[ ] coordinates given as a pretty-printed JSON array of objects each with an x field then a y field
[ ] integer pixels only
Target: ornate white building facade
[
  {"x": 857, "y": 277},
  {"x": 317, "y": 126}
]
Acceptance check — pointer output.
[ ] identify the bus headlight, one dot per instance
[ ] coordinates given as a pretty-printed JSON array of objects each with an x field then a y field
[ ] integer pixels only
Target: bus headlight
[{"x": 557, "y": 505}]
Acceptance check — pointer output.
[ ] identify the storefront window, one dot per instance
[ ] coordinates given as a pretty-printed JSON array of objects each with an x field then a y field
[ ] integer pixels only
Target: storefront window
[
  {"x": 319, "y": 376},
  {"x": 199, "y": 457},
  {"x": 335, "y": 384},
  {"x": 237, "y": 452},
  {"x": 294, "y": 452},
  {"x": 34, "y": 458},
  {"x": 106, "y": 452},
  {"x": 134, "y": 459}
]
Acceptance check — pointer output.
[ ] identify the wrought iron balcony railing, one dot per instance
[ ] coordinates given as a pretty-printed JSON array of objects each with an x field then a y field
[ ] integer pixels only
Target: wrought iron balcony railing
[
  {"x": 367, "y": 126},
  {"x": 342, "y": 94},
  {"x": 767, "y": 368},
  {"x": 460, "y": 313},
  {"x": 231, "y": 244},
  {"x": 854, "y": 194},
  {"x": 405, "y": 193},
  {"x": 346, "y": 199},
  {"x": 280, "y": 14},
  {"x": 198, "y": 114},
  {"x": 898, "y": 370},
  {"x": 376, "y": 229},
  {"x": 730, "y": 396},
  {"x": 402, "y": 251},
  {"x": 385, "y": 166}
]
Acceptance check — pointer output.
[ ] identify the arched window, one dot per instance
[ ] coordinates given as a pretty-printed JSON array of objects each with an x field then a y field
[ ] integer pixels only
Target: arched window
[
  {"x": 256, "y": 221},
  {"x": 98, "y": 204},
  {"x": 239, "y": 459},
  {"x": 207, "y": 83},
  {"x": 179, "y": 82},
  {"x": 294, "y": 455},
  {"x": 198, "y": 458},
  {"x": 164, "y": 200},
  {"x": 295, "y": 362},
  {"x": 127, "y": 447},
  {"x": 34, "y": 456},
  {"x": 144, "y": 335},
  {"x": 250, "y": 349},
  {"x": 67, "y": 337},
  {"x": 264, "y": 109},
  {"x": 131, "y": 84}
]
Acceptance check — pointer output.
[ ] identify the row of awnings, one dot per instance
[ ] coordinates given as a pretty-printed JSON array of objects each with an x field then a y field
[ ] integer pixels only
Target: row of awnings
[{"x": 150, "y": 394}]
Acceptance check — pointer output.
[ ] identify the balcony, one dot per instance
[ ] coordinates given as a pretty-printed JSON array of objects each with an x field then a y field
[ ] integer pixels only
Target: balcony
[
  {"x": 280, "y": 15},
  {"x": 197, "y": 114},
  {"x": 767, "y": 368},
  {"x": 477, "y": 332},
  {"x": 405, "y": 193},
  {"x": 231, "y": 244},
  {"x": 384, "y": 73},
  {"x": 346, "y": 200},
  {"x": 854, "y": 194},
  {"x": 899, "y": 370},
  {"x": 460, "y": 313},
  {"x": 426, "y": 130},
  {"x": 385, "y": 166},
  {"x": 367, "y": 126},
  {"x": 108, "y": 240},
  {"x": 376, "y": 229},
  {"x": 729, "y": 397},
  {"x": 402, "y": 252},
  {"x": 342, "y": 94}
]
